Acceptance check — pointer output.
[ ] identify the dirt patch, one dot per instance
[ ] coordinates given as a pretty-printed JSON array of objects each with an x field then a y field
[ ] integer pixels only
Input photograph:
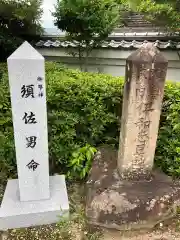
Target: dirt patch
[{"x": 155, "y": 235}]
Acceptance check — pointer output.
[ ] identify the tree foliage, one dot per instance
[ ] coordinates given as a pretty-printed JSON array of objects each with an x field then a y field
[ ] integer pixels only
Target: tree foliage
[
  {"x": 19, "y": 19},
  {"x": 88, "y": 22},
  {"x": 164, "y": 13}
]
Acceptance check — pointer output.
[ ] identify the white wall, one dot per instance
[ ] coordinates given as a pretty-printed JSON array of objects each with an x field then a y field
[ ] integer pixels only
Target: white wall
[{"x": 111, "y": 61}]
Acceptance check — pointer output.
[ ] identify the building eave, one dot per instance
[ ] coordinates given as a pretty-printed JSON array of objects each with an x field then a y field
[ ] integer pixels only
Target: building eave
[{"x": 123, "y": 44}]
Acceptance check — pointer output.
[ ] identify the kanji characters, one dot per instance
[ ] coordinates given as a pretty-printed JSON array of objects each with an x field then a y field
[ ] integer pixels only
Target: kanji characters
[
  {"x": 31, "y": 142},
  {"x": 27, "y": 91},
  {"x": 29, "y": 119}
]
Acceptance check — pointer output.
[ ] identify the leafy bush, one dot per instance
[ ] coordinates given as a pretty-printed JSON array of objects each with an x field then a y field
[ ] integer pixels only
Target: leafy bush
[
  {"x": 85, "y": 108},
  {"x": 82, "y": 109},
  {"x": 80, "y": 162},
  {"x": 7, "y": 153},
  {"x": 168, "y": 147}
]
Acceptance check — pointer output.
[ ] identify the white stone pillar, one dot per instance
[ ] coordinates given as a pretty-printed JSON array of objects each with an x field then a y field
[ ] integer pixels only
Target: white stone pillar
[
  {"x": 28, "y": 99},
  {"x": 35, "y": 198}
]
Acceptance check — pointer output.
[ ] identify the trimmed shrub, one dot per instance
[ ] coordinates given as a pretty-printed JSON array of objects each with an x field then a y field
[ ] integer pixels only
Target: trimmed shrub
[
  {"x": 82, "y": 109},
  {"x": 168, "y": 145},
  {"x": 85, "y": 109}
]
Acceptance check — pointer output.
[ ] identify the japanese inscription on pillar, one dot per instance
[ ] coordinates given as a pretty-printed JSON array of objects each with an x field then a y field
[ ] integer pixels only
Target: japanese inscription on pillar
[
  {"x": 143, "y": 95},
  {"x": 28, "y": 99},
  {"x": 144, "y": 107}
]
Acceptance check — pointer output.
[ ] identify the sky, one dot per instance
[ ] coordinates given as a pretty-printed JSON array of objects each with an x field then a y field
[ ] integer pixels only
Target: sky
[{"x": 47, "y": 19}]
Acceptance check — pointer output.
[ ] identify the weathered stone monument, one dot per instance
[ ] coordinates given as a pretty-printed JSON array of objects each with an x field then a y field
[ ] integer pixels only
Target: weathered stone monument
[
  {"x": 123, "y": 190},
  {"x": 143, "y": 95},
  {"x": 35, "y": 198}
]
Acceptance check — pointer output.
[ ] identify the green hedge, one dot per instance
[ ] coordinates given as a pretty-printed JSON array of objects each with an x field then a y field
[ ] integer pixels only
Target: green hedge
[
  {"x": 85, "y": 108},
  {"x": 168, "y": 146},
  {"x": 82, "y": 108}
]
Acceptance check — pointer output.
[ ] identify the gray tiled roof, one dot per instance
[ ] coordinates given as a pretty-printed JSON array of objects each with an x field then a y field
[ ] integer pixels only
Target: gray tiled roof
[{"x": 110, "y": 44}]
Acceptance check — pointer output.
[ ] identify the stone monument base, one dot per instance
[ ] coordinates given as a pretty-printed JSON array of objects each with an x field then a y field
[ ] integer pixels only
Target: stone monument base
[
  {"x": 128, "y": 204},
  {"x": 16, "y": 214}
]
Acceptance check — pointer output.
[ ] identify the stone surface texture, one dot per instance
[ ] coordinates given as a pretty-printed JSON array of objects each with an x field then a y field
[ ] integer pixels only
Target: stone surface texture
[
  {"x": 143, "y": 94},
  {"x": 121, "y": 204},
  {"x": 26, "y": 74},
  {"x": 17, "y": 214}
]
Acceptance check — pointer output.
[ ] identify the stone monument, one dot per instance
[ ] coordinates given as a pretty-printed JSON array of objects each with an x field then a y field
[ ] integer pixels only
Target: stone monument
[
  {"x": 35, "y": 198},
  {"x": 123, "y": 190},
  {"x": 143, "y": 95}
]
